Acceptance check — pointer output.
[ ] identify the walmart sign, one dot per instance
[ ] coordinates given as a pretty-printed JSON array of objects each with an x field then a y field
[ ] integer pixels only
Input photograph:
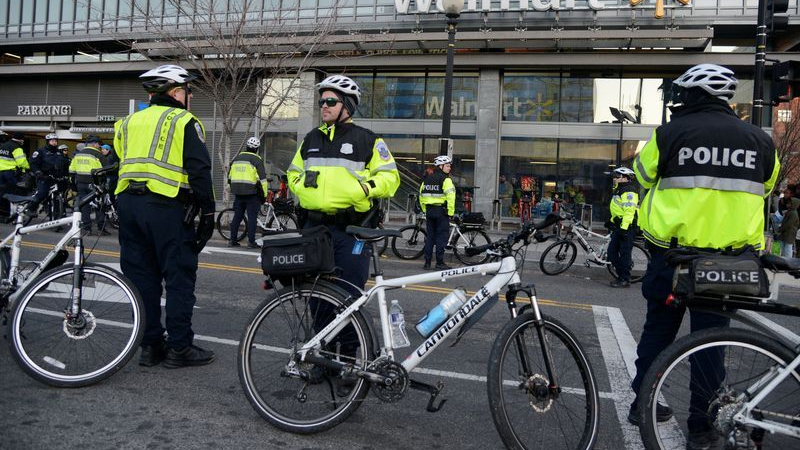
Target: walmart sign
[{"x": 424, "y": 6}]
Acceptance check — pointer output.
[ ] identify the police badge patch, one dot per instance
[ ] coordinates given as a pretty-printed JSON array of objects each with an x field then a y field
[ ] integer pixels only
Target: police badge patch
[
  {"x": 200, "y": 133},
  {"x": 347, "y": 149},
  {"x": 382, "y": 150}
]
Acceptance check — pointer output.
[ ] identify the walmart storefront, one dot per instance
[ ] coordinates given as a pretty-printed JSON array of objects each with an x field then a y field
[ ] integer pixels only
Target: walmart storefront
[{"x": 544, "y": 92}]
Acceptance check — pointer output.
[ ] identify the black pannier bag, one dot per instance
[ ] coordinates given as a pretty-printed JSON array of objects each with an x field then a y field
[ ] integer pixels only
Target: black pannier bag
[
  {"x": 297, "y": 253},
  {"x": 473, "y": 218},
  {"x": 717, "y": 274},
  {"x": 283, "y": 205}
]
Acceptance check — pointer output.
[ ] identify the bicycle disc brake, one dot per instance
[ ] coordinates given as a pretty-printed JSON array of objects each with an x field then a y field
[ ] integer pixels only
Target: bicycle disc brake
[
  {"x": 538, "y": 389},
  {"x": 395, "y": 380},
  {"x": 79, "y": 327}
]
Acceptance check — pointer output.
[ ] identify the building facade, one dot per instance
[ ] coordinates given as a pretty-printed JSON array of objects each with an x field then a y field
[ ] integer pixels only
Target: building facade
[{"x": 548, "y": 96}]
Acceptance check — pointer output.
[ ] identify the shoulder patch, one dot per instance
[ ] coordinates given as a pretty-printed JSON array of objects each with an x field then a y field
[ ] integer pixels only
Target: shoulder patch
[
  {"x": 383, "y": 150},
  {"x": 630, "y": 196},
  {"x": 35, "y": 154},
  {"x": 200, "y": 133}
]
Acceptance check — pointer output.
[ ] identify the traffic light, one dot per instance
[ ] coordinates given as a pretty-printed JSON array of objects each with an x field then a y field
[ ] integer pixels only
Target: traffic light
[
  {"x": 785, "y": 81},
  {"x": 777, "y": 19}
]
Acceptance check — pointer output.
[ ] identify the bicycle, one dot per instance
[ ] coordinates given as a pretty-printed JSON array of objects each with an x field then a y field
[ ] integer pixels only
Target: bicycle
[
  {"x": 411, "y": 243},
  {"x": 755, "y": 402},
  {"x": 68, "y": 325},
  {"x": 273, "y": 216},
  {"x": 106, "y": 204},
  {"x": 289, "y": 359},
  {"x": 54, "y": 205},
  {"x": 560, "y": 255}
]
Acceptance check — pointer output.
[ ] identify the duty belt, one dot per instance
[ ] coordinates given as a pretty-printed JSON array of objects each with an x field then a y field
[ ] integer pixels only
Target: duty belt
[
  {"x": 343, "y": 217},
  {"x": 140, "y": 188}
]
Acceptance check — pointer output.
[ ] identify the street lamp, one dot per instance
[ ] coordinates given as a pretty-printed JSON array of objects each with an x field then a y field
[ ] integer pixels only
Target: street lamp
[
  {"x": 452, "y": 9},
  {"x": 621, "y": 116}
]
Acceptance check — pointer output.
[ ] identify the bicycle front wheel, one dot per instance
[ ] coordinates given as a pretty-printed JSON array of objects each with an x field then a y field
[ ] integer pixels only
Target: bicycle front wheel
[
  {"x": 224, "y": 219},
  {"x": 412, "y": 244},
  {"x": 531, "y": 407},
  {"x": 640, "y": 258},
  {"x": 296, "y": 396},
  {"x": 558, "y": 257},
  {"x": 471, "y": 238},
  {"x": 724, "y": 367},
  {"x": 74, "y": 352}
]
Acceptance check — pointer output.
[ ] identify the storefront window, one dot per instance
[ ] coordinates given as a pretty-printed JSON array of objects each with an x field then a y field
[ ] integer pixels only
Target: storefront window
[
  {"x": 366, "y": 84},
  {"x": 280, "y": 102},
  {"x": 578, "y": 98},
  {"x": 279, "y": 150},
  {"x": 464, "y": 104},
  {"x": 527, "y": 168},
  {"x": 399, "y": 96},
  {"x": 583, "y": 173},
  {"x": 531, "y": 98}
]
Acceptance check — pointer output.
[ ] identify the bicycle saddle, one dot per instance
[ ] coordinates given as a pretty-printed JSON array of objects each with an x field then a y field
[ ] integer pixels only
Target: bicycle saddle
[
  {"x": 18, "y": 198},
  {"x": 550, "y": 219},
  {"x": 371, "y": 234}
]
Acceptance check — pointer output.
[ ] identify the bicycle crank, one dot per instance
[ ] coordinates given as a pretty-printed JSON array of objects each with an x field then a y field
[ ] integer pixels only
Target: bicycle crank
[{"x": 395, "y": 380}]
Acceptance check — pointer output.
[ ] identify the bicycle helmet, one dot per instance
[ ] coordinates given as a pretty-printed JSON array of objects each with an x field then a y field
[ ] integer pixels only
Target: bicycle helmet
[
  {"x": 253, "y": 142},
  {"x": 442, "y": 160},
  {"x": 63, "y": 147},
  {"x": 624, "y": 172},
  {"x": 715, "y": 80},
  {"x": 51, "y": 136},
  {"x": 163, "y": 78},
  {"x": 342, "y": 85}
]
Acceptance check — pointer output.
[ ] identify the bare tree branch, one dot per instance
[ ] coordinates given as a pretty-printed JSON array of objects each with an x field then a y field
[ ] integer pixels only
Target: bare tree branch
[{"x": 786, "y": 134}]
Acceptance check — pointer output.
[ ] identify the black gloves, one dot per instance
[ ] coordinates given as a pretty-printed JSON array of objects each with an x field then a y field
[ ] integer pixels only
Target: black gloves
[{"x": 204, "y": 231}]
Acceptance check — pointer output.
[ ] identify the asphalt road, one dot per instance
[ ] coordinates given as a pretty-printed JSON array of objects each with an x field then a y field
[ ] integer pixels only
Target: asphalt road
[{"x": 204, "y": 407}]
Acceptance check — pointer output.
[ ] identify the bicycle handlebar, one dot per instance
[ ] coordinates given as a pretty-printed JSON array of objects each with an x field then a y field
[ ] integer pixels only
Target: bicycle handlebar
[{"x": 524, "y": 233}]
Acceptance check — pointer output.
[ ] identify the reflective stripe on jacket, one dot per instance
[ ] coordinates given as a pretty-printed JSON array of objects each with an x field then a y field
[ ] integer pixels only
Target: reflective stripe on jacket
[
  {"x": 438, "y": 189},
  {"x": 708, "y": 173},
  {"x": 247, "y": 171},
  {"x": 84, "y": 162},
  {"x": 623, "y": 206},
  {"x": 333, "y": 162},
  {"x": 150, "y": 146},
  {"x": 12, "y": 157}
]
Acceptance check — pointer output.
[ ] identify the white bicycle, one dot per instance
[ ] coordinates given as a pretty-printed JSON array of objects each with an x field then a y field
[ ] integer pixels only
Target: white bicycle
[
  {"x": 753, "y": 401},
  {"x": 293, "y": 353}
]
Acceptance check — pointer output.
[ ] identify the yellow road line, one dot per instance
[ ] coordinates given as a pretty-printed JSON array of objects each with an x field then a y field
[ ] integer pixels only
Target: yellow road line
[{"x": 411, "y": 287}]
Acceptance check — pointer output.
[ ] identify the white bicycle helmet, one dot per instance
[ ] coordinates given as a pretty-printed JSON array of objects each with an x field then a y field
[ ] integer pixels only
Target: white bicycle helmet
[
  {"x": 253, "y": 142},
  {"x": 51, "y": 136},
  {"x": 63, "y": 147},
  {"x": 716, "y": 80},
  {"x": 162, "y": 78},
  {"x": 442, "y": 160},
  {"x": 624, "y": 172},
  {"x": 341, "y": 84}
]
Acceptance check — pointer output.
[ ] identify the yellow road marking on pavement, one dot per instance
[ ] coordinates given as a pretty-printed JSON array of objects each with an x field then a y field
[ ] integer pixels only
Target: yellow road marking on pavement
[{"x": 411, "y": 287}]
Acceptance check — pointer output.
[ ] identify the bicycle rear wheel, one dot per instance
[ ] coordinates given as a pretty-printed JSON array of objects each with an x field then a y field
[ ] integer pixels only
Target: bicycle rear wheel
[
  {"x": 471, "y": 238},
  {"x": 285, "y": 222},
  {"x": 224, "y": 219},
  {"x": 412, "y": 244},
  {"x": 73, "y": 353},
  {"x": 558, "y": 257},
  {"x": 295, "y": 396},
  {"x": 640, "y": 258},
  {"x": 744, "y": 358},
  {"x": 531, "y": 410}
]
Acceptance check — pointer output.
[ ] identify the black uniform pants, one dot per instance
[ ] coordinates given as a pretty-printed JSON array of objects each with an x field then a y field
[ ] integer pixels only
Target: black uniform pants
[
  {"x": 157, "y": 247},
  {"x": 661, "y": 325},
  {"x": 83, "y": 190},
  {"x": 242, "y": 204},
  {"x": 8, "y": 185},
  {"x": 619, "y": 252},
  {"x": 437, "y": 224}
]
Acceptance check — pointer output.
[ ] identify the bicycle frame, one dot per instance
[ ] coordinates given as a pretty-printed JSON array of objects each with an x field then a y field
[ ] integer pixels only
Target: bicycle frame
[
  {"x": 15, "y": 240},
  {"x": 504, "y": 274},
  {"x": 578, "y": 230}
]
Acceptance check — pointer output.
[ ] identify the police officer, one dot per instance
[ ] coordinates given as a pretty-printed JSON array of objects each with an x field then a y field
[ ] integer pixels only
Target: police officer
[
  {"x": 351, "y": 166},
  {"x": 83, "y": 163},
  {"x": 12, "y": 160},
  {"x": 624, "y": 203},
  {"x": 249, "y": 185},
  {"x": 165, "y": 170},
  {"x": 48, "y": 163},
  {"x": 708, "y": 173},
  {"x": 437, "y": 198}
]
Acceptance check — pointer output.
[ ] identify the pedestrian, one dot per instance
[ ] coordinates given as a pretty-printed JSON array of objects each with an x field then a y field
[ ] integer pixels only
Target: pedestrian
[
  {"x": 12, "y": 160},
  {"x": 339, "y": 168},
  {"x": 164, "y": 179},
  {"x": 787, "y": 232},
  {"x": 48, "y": 164},
  {"x": 437, "y": 198},
  {"x": 249, "y": 185},
  {"x": 623, "y": 207},
  {"x": 697, "y": 201},
  {"x": 504, "y": 193},
  {"x": 83, "y": 164}
]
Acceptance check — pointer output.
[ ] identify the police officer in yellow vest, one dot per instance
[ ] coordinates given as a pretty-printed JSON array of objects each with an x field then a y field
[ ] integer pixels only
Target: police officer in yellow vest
[
  {"x": 337, "y": 171},
  {"x": 708, "y": 173},
  {"x": 83, "y": 163},
  {"x": 437, "y": 198},
  {"x": 164, "y": 178},
  {"x": 249, "y": 185},
  {"x": 624, "y": 203},
  {"x": 12, "y": 159}
]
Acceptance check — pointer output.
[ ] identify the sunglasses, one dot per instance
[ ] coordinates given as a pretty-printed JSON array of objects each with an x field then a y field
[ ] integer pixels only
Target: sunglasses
[{"x": 330, "y": 102}]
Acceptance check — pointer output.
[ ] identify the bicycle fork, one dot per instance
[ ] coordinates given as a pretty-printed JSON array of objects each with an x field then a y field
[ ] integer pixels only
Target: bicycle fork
[
  {"x": 76, "y": 321},
  {"x": 536, "y": 385}
]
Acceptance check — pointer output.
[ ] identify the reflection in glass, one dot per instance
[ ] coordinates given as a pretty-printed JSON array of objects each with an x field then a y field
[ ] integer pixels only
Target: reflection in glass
[
  {"x": 281, "y": 99},
  {"x": 465, "y": 97},
  {"x": 531, "y": 98},
  {"x": 399, "y": 96}
]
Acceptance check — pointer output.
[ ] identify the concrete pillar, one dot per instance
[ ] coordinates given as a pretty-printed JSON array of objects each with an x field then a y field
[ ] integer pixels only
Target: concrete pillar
[{"x": 487, "y": 141}]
